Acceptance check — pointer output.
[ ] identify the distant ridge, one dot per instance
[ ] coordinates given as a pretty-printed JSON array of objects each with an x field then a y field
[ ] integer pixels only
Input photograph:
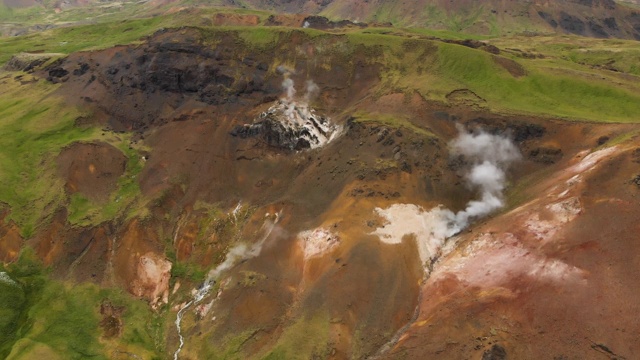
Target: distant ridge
[{"x": 593, "y": 18}]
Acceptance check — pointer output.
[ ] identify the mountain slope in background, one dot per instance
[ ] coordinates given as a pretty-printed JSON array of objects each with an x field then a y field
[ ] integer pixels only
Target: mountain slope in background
[
  {"x": 594, "y": 18},
  {"x": 597, "y": 18}
]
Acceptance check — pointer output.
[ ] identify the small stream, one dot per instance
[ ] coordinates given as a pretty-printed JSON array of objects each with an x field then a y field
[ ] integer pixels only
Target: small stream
[{"x": 236, "y": 254}]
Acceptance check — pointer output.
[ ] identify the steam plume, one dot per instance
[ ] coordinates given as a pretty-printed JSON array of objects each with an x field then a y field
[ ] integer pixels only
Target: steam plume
[
  {"x": 490, "y": 156},
  {"x": 312, "y": 91},
  {"x": 290, "y": 90}
]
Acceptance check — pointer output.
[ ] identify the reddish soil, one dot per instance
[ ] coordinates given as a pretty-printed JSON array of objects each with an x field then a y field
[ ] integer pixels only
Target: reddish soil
[
  {"x": 516, "y": 70},
  {"x": 91, "y": 169},
  {"x": 551, "y": 292},
  {"x": 289, "y": 20},
  {"x": 111, "y": 322},
  {"x": 235, "y": 20},
  {"x": 527, "y": 304},
  {"x": 10, "y": 240},
  {"x": 138, "y": 261}
]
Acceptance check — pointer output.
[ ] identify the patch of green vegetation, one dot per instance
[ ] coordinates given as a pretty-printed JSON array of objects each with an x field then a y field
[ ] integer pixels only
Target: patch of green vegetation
[
  {"x": 230, "y": 348},
  {"x": 225, "y": 226},
  {"x": 620, "y": 139},
  {"x": 377, "y": 37},
  {"x": 9, "y": 14},
  {"x": 251, "y": 278},
  {"x": 35, "y": 125},
  {"x": 71, "y": 39},
  {"x": 259, "y": 36},
  {"x": 447, "y": 34},
  {"x": 542, "y": 92},
  {"x": 389, "y": 12},
  {"x": 19, "y": 282},
  {"x": 551, "y": 87},
  {"x": 187, "y": 270},
  {"x": 307, "y": 338},
  {"x": 464, "y": 19},
  {"x": 608, "y": 54},
  {"x": 12, "y": 300},
  {"x": 213, "y": 223},
  {"x": 613, "y": 59},
  {"x": 143, "y": 330},
  {"x": 393, "y": 121},
  {"x": 64, "y": 320},
  {"x": 52, "y": 319}
]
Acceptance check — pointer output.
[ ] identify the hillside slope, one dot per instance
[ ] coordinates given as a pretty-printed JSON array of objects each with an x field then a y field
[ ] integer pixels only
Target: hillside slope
[
  {"x": 593, "y": 18},
  {"x": 598, "y": 18},
  {"x": 252, "y": 192}
]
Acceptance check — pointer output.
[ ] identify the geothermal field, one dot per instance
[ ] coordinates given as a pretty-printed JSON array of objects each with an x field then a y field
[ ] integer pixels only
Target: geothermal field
[{"x": 320, "y": 179}]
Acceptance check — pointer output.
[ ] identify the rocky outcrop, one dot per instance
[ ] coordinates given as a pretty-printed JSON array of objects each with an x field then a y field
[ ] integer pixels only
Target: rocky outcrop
[
  {"x": 606, "y": 20},
  {"x": 322, "y": 23},
  {"x": 145, "y": 83},
  {"x": 289, "y": 125},
  {"x": 27, "y": 62}
]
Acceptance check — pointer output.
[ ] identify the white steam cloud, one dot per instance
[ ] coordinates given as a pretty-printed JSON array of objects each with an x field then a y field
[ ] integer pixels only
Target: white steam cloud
[
  {"x": 312, "y": 91},
  {"x": 298, "y": 110},
  {"x": 489, "y": 156},
  {"x": 290, "y": 90},
  {"x": 235, "y": 255}
]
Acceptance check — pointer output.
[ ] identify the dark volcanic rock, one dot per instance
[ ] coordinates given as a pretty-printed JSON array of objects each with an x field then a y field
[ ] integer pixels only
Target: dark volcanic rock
[
  {"x": 611, "y": 23},
  {"x": 607, "y": 4},
  {"x": 322, "y": 23},
  {"x": 26, "y": 64},
  {"x": 496, "y": 352},
  {"x": 545, "y": 155},
  {"x": 290, "y": 126},
  {"x": 523, "y": 132},
  {"x": 602, "y": 140},
  {"x": 58, "y": 72},
  {"x": 81, "y": 70},
  {"x": 275, "y": 134},
  {"x": 520, "y": 131},
  {"x": 475, "y": 44},
  {"x": 635, "y": 155},
  {"x": 571, "y": 24},
  {"x": 548, "y": 18},
  {"x": 138, "y": 87},
  {"x": 597, "y": 29}
]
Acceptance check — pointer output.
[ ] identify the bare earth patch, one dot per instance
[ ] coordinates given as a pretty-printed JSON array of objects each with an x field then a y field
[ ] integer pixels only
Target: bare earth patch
[
  {"x": 152, "y": 279},
  {"x": 317, "y": 242}
]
